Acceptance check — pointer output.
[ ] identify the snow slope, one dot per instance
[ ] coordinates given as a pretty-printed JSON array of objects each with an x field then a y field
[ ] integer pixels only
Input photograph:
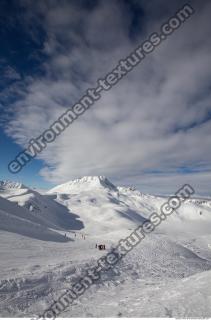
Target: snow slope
[
  {"x": 99, "y": 205},
  {"x": 105, "y": 208},
  {"x": 160, "y": 277},
  {"x": 20, "y": 221},
  {"x": 50, "y": 213}
]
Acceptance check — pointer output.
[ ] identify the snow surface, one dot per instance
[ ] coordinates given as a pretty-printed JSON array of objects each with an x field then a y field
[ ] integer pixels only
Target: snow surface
[{"x": 43, "y": 251}]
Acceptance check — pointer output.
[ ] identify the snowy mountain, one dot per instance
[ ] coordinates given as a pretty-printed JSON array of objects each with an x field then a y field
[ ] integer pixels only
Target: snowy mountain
[
  {"x": 83, "y": 184},
  {"x": 6, "y": 184},
  {"x": 40, "y": 261},
  {"x": 51, "y": 213},
  {"x": 96, "y": 206},
  {"x": 105, "y": 208},
  {"x": 19, "y": 221},
  {"x": 99, "y": 204}
]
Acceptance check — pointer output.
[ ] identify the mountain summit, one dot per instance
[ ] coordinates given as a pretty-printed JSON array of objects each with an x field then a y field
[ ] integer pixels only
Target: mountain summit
[
  {"x": 6, "y": 184},
  {"x": 83, "y": 184}
]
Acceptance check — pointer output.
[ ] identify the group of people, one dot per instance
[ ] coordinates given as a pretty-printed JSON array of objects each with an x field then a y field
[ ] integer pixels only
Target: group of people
[
  {"x": 100, "y": 246},
  {"x": 97, "y": 246}
]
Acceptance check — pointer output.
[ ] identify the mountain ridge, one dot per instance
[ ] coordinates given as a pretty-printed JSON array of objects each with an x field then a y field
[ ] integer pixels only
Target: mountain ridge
[{"x": 89, "y": 182}]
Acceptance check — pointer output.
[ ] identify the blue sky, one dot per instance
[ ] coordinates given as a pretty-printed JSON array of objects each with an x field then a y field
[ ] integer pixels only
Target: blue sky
[
  {"x": 29, "y": 175},
  {"x": 16, "y": 62},
  {"x": 151, "y": 131}
]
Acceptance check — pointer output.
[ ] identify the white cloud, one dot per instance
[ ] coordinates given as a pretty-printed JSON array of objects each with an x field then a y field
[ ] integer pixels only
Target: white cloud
[{"x": 155, "y": 119}]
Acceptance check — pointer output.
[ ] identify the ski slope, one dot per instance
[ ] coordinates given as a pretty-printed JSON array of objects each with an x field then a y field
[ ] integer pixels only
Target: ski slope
[{"x": 47, "y": 241}]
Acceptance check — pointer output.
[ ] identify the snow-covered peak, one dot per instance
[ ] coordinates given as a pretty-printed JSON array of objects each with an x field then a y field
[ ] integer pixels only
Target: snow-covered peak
[
  {"x": 94, "y": 180},
  {"x": 6, "y": 184},
  {"x": 83, "y": 184}
]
